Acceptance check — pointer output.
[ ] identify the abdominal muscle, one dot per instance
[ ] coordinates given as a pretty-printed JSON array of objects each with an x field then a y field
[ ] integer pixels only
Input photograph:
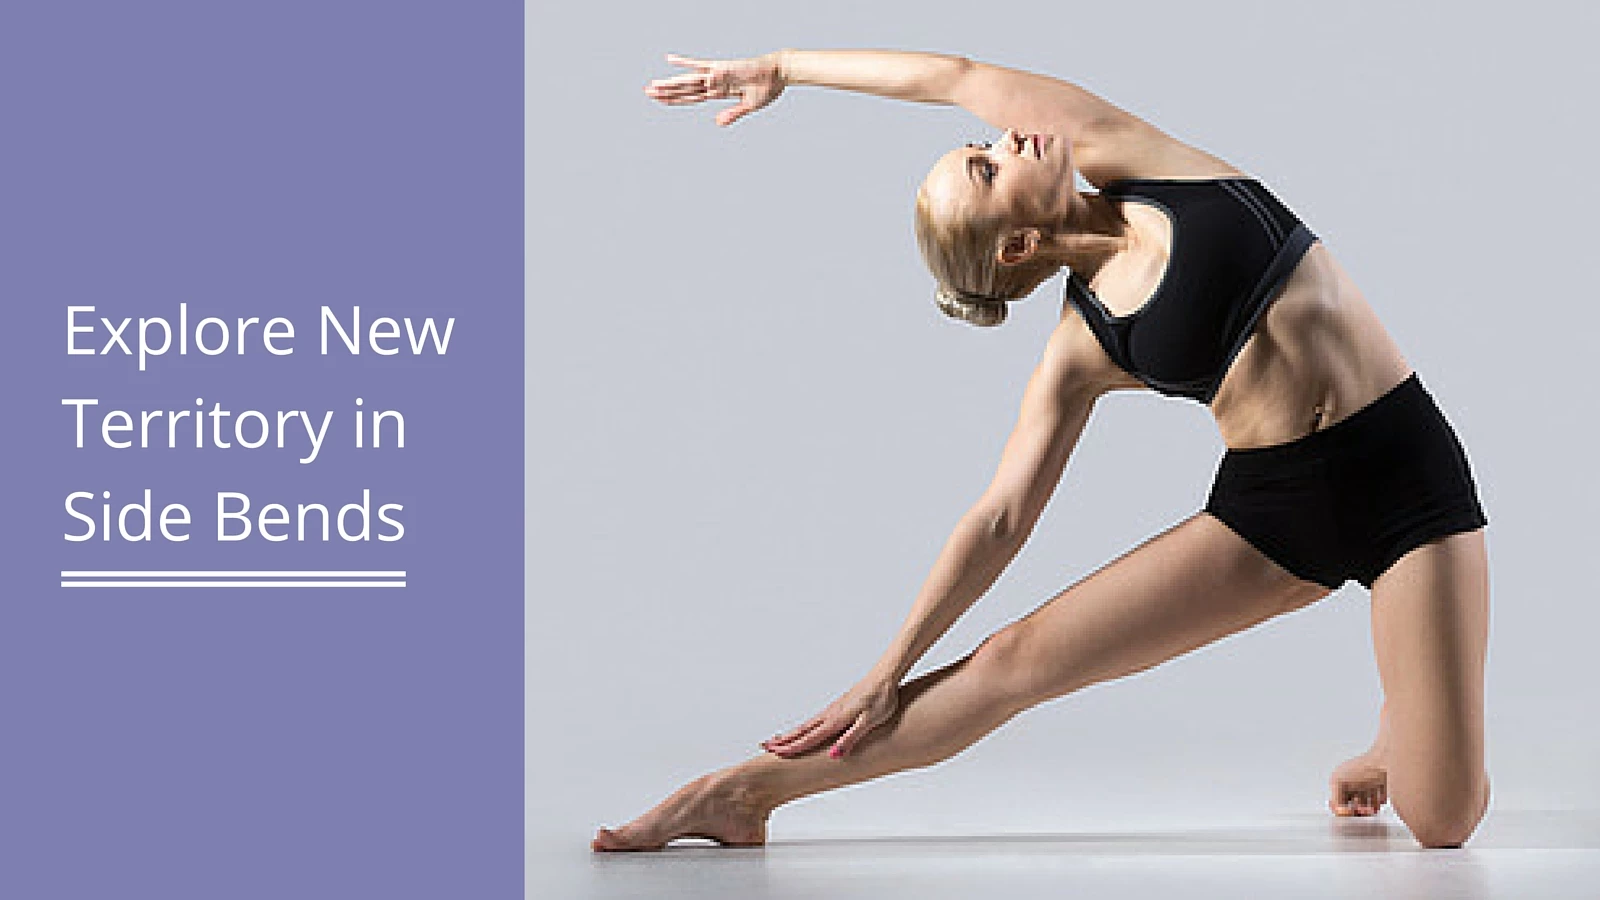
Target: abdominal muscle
[{"x": 1317, "y": 355}]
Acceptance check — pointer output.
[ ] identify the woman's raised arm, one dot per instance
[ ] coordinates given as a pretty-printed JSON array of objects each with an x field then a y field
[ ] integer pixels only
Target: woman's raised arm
[
  {"x": 897, "y": 74},
  {"x": 1028, "y": 101},
  {"x": 1002, "y": 97}
]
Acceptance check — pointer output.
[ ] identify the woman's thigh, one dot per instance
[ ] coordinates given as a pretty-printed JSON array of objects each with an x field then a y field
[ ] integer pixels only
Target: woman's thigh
[
  {"x": 1190, "y": 585},
  {"x": 1430, "y": 629}
]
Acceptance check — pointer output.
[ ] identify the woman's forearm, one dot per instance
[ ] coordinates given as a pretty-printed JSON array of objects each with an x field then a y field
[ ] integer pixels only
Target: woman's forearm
[
  {"x": 897, "y": 74},
  {"x": 969, "y": 564}
]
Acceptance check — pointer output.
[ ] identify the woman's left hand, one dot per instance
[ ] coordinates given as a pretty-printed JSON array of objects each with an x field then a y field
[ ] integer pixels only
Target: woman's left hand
[
  {"x": 755, "y": 82},
  {"x": 872, "y": 702}
]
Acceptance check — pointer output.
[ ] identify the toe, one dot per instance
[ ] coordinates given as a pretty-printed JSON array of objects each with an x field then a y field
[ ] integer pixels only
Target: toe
[
  {"x": 1339, "y": 800},
  {"x": 625, "y": 839}
]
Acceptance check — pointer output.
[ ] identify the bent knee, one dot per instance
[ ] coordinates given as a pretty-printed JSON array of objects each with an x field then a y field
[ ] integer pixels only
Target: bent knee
[
  {"x": 1446, "y": 821},
  {"x": 1441, "y": 834}
]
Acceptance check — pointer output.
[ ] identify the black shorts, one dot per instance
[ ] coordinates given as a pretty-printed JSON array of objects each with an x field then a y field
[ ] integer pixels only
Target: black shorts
[{"x": 1349, "y": 500}]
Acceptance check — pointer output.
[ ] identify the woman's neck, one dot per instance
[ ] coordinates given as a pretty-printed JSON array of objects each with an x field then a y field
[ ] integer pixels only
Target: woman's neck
[{"x": 1091, "y": 234}]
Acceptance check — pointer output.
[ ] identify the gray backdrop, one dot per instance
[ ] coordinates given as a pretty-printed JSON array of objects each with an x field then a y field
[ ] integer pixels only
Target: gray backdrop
[{"x": 750, "y": 431}]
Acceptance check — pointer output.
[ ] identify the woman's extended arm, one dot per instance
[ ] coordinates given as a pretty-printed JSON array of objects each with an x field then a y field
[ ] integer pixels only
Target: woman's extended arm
[
  {"x": 1055, "y": 408},
  {"x": 1002, "y": 97},
  {"x": 896, "y": 74}
]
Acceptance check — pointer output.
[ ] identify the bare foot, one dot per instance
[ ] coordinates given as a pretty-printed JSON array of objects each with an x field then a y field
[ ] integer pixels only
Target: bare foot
[
  {"x": 1360, "y": 785},
  {"x": 712, "y": 806}
]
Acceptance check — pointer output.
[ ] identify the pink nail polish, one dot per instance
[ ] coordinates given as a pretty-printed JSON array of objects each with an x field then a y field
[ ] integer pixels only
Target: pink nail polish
[{"x": 834, "y": 752}]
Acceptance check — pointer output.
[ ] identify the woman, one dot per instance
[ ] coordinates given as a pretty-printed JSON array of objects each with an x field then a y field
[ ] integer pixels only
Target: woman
[{"x": 1189, "y": 277}]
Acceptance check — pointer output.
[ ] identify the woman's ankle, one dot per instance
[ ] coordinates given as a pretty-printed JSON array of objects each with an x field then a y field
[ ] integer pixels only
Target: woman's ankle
[{"x": 746, "y": 785}]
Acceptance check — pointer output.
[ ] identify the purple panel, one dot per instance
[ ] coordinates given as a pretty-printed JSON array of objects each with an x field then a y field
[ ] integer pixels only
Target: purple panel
[{"x": 262, "y": 160}]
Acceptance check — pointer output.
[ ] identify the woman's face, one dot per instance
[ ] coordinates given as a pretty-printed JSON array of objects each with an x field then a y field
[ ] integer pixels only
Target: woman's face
[{"x": 1023, "y": 179}]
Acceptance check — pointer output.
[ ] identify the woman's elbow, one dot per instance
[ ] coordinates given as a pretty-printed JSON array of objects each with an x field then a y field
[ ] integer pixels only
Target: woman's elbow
[
  {"x": 943, "y": 84},
  {"x": 1005, "y": 523}
]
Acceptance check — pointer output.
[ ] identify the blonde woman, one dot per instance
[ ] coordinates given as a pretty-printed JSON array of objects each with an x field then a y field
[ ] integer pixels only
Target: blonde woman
[{"x": 1189, "y": 277}]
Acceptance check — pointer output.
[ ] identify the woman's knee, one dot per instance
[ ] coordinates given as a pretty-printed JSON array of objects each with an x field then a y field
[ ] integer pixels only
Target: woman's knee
[
  {"x": 1444, "y": 818},
  {"x": 1442, "y": 833},
  {"x": 1007, "y": 662}
]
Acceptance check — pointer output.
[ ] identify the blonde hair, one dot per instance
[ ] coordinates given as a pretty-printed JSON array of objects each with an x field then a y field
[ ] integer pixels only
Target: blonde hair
[{"x": 961, "y": 252}]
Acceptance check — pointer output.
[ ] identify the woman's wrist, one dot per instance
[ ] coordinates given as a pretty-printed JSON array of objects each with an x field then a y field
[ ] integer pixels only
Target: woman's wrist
[
  {"x": 779, "y": 58},
  {"x": 889, "y": 670}
]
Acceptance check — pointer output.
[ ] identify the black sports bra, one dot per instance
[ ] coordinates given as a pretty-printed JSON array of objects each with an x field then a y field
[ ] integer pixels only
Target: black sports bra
[{"x": 1234, "y": 246}]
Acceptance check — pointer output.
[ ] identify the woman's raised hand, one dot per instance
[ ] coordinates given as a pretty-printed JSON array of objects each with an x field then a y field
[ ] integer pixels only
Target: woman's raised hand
[
  {"x": 864, "y": 707},
  {"x": 755, "y": 82}
]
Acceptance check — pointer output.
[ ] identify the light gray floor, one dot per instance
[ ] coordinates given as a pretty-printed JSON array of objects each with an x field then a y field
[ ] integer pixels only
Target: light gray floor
[{"x": 1515, "y": 854}]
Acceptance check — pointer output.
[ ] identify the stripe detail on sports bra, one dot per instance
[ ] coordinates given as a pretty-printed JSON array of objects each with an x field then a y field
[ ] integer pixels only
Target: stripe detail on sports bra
[{"x": 1234, "y": 246}]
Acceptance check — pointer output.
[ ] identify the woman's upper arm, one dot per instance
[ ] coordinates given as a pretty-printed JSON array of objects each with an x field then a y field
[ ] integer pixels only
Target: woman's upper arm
[
  {"x": 1028, "y": 101},
  {"x": 1106, "y": 142},
  {"x": 1056, "y": 405}
]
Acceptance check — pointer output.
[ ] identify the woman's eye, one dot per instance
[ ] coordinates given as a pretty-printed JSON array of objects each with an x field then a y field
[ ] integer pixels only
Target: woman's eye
[{"x": 987, "y": 168}]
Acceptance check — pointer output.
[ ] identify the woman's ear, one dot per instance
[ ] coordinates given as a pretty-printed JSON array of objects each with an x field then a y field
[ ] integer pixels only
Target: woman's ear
[{"x": 1018, "y": 245}]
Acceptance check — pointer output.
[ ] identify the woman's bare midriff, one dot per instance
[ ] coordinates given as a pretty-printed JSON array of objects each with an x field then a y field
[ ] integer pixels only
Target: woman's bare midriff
[{"x": 1318, "y": 354}]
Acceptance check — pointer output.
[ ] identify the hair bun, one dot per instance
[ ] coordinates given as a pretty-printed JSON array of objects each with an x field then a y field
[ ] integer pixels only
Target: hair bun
[{"x": 958, "y": 304}]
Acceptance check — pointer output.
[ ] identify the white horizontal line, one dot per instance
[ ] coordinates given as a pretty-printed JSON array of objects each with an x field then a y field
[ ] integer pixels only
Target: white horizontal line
[
  {"x": 280, "y": 584},
  {"x": 231, "y": 574}
]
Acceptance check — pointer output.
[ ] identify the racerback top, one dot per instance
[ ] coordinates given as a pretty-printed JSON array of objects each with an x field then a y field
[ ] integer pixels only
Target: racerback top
[{"x": 1234, "y": 246}]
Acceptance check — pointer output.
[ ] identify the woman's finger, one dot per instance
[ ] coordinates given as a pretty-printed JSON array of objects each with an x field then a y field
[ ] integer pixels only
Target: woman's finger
[
  {"x": 677, "y": 91},
  {"x": 815, "y": 738},
  {"x": 678, "y": 81},
  {"x": 810, "y": 723},
  {"x": 733, "y": 114},
  {"x": 792, "y": 741},
  {"x": 851, "y": 737},
  {"x": 675, "y": 59},
  {"x": 801, "y": 741},
  {"x": 796, "y": 731},
  {"x": 692, "y": 94}
]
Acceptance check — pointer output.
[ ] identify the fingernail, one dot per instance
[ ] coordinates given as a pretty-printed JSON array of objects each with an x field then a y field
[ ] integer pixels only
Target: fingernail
[{"x": 834, "y": 752}]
